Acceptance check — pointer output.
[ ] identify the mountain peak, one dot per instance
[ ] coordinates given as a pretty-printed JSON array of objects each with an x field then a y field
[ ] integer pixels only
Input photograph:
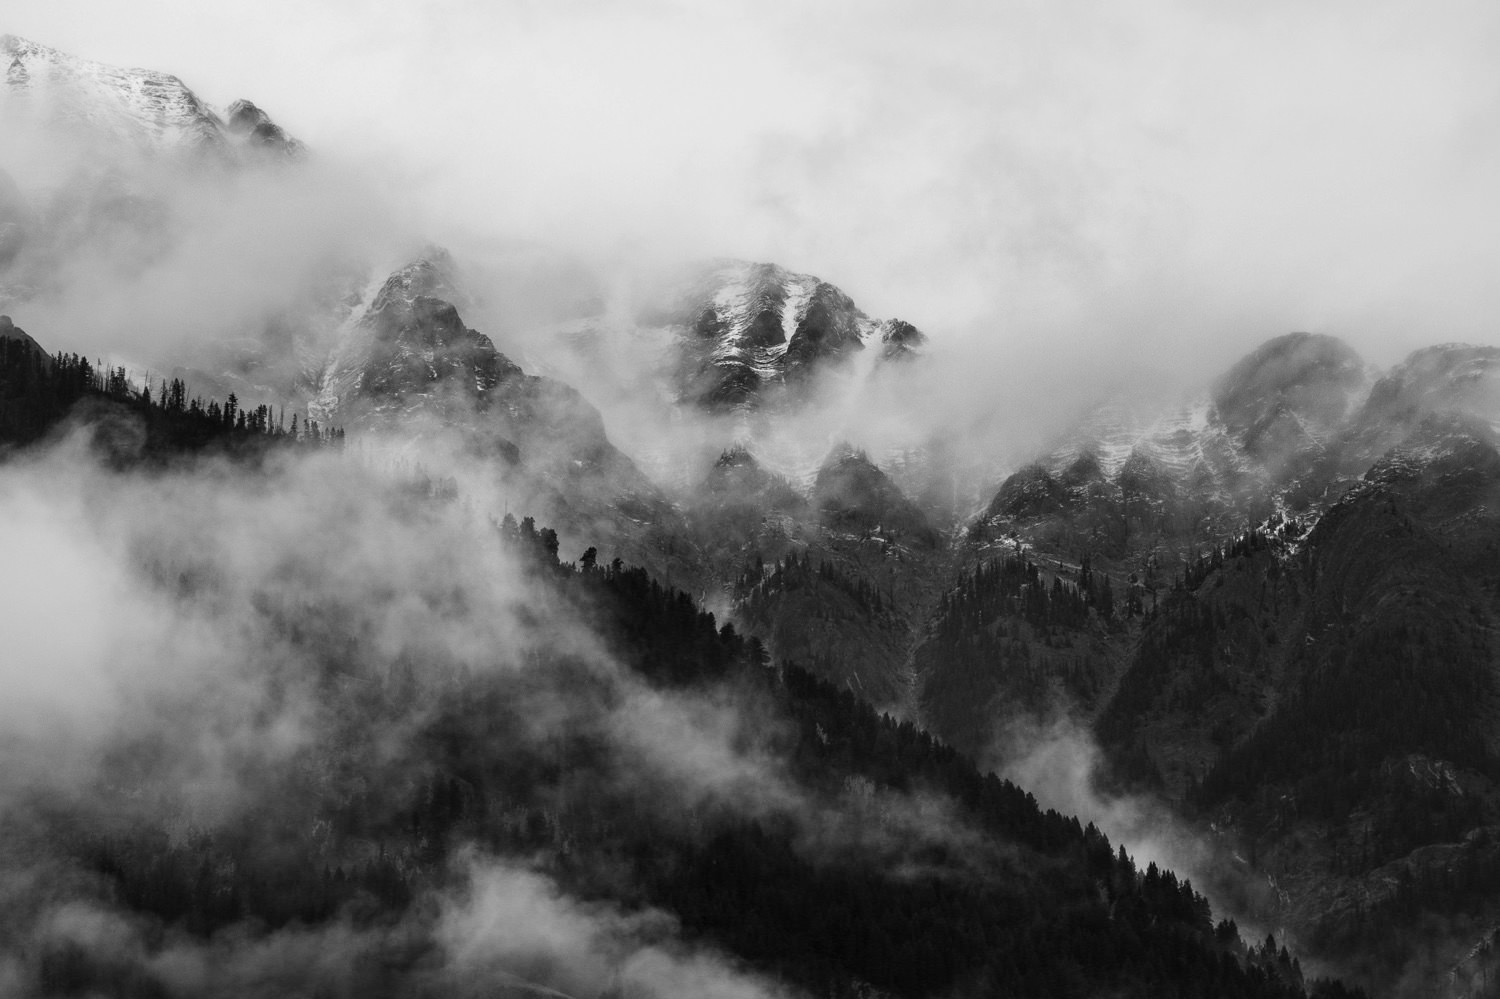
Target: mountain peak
[
  {"x": 736, "y": 456},
  {"x": 430, "y": 275},
  {"x": 900, "y": 339},
  {"x": 853, "y": 494},
  {"x": 746, "y": 328},
  {"x": 1289, "y": 392},
  {"x": 9, "y": 331},
  {"x": 254, "y": 126}
]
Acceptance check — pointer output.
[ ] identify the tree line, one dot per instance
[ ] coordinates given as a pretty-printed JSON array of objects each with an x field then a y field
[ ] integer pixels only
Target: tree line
[{"x": 38, "y": 392}]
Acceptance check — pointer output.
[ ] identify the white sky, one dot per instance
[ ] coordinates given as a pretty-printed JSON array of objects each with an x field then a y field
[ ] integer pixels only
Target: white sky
[{"x": 1185, "y": 178}]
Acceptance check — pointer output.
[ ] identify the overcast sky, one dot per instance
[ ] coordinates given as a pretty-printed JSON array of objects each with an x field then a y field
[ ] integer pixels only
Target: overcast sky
[{"x": 1188, "y": 178}]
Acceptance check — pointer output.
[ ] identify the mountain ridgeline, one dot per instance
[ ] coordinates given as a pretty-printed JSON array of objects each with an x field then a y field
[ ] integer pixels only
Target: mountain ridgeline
[{"x": 1316, "y": 684}]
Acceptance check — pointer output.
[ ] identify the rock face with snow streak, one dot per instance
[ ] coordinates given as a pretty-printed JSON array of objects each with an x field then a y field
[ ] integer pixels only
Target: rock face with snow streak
[
  {"x": 411, "y": 349},
  {"x": 747, "y": 329}
]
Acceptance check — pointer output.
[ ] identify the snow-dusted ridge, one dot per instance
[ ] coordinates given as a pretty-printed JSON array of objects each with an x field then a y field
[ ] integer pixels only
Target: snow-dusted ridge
[{"x": 140, "y": 108}]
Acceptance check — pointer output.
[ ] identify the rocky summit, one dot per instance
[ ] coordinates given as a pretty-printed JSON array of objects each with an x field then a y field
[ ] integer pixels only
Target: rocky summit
[{"x": 747, "y": 330}]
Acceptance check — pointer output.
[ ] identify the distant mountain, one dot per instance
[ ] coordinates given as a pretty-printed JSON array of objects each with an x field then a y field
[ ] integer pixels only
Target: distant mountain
[
  {"x": 9, "y": 331},
  {"x": 139, "y": 108}
]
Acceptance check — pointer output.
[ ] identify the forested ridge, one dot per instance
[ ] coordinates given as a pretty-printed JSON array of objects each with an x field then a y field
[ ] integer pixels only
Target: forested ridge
[{"x": 38, "y": 392}]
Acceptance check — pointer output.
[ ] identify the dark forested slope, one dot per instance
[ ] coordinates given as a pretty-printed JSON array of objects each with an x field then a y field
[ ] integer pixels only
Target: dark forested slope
[{"x": 618, "y": 764}]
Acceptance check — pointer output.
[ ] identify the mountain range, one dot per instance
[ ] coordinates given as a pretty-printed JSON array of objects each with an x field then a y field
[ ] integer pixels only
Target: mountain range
[{"x": 1267, "y": 601}]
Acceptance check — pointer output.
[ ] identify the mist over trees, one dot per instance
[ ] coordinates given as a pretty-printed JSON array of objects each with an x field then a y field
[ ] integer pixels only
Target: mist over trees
[{"x": 694, "y": 815}]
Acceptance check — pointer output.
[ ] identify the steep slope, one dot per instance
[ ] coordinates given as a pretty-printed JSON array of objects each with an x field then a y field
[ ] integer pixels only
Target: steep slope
[
  {"x": 838, "y": 578},
  {"x": 1335, "y": 712},
  {"x": 1131, "y": 493},
  {"x": 853, "y": 496},
  {"x": 10, "y": 334},
  {"x": 410, "y": 372},
  {"x": 1298, "y": 644},
  {"x": 1422, "y": 444},
  {"x": 1130, "y": 504},
  {"x": 409, "y": 350},
  {"x": 1017, "y": 641},
  {"x": 743, "y": 508}
]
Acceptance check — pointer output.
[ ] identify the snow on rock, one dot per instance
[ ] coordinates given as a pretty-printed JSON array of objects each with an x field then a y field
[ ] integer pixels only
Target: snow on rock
[{"x": 744, "y": 328}]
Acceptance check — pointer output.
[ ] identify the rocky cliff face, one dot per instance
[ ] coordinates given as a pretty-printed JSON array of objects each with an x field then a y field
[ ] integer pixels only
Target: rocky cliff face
[{"x": 409, "y": 350}]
